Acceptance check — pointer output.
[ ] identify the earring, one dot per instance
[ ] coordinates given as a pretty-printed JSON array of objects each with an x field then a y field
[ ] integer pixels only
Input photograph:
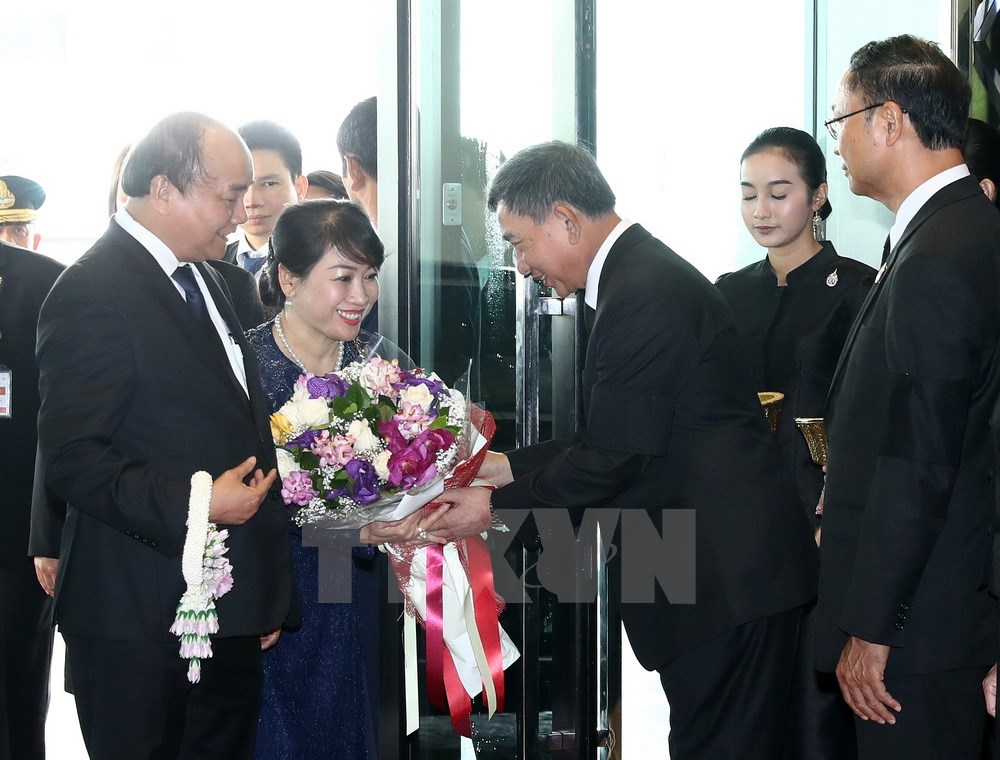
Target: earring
[
  {"x": 819, "y": 231},
  {"x": 288, "y": 303}
]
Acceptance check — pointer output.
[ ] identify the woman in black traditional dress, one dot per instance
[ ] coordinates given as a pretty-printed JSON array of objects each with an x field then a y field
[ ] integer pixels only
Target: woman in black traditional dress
[{"x": 794, "y": 309}]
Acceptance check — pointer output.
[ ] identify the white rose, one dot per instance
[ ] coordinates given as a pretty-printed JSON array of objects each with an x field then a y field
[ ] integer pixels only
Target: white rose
[
  {"x": 362, "y": 435},
  {"x": 310, "y": 413},
  {"x": 286, "y": 463},
  {"x": 381, "y": 464},
  {"x": 418, "y": 395}
]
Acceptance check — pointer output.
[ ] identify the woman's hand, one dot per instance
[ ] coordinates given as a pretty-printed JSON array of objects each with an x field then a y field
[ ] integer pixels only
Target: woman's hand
[{"x": 399, "y": 531}]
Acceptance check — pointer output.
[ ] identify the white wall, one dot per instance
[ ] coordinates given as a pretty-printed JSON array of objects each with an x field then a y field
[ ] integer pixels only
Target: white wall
[{"x": 682, "y": 89}]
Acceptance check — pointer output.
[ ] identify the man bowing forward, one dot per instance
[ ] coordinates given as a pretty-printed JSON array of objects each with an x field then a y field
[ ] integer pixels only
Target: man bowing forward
[{"x": 672, "y": 422}]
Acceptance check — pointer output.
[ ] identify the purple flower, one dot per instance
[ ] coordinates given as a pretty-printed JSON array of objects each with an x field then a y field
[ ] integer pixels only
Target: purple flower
[
  {"x": 297, "y": 488},
  {"x": 364, "y": 486},
  {"x": 304, "y": 440},
  {"x": 435, "y": 387},
  {"x": 327, "y": 386}
]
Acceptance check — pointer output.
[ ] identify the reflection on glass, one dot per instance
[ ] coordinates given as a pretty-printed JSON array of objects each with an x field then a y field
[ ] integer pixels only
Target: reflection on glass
[{"x": 472, "y": 115}]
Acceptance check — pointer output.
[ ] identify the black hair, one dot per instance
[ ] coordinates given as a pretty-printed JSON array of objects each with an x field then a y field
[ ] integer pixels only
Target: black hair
[
  {"x": 801, "y": 149},
  {"x": 267, "y": 135},
  {"x": 172, "y": 148},
  {"x": 358, "y": 136},
  {"x": 982, "y": 153},
  {"x": 332, "y": 182},
  {"x": 537, "y": 178},
  {"x": 303, "y": 234},
  {"x": 920, "y": 79}
]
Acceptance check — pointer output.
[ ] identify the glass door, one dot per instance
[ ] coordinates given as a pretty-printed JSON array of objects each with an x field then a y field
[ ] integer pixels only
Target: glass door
[{"x": 478, "y": 82}]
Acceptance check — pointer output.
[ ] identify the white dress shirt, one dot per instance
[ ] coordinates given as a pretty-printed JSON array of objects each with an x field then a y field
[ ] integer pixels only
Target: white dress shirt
[
  {"x": 246, "y": 251},
  {"x": 597, "y": 265},
  {"x": 916, "y": 200}
]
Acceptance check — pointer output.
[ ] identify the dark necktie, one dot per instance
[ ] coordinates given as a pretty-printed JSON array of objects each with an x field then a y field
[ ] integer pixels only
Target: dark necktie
[
  {"x": 184, "y": 276},
  {"x": 253, "y": 263}
]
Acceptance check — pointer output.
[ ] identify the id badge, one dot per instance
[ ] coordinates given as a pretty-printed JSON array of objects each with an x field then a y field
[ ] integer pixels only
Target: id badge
[{"x": 5, "y": 392}]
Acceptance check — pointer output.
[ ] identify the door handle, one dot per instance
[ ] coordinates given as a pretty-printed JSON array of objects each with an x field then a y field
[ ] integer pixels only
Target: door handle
[{"x": 556, "y": 307}]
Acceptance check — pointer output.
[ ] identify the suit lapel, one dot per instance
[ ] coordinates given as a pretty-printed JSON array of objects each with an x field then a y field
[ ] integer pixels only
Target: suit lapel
[
  {"x": 958, "y": 190},
  {"x": 215, "y": 288},
  {"x": 161, "y": 290},
  {"x": 625, "y": 243},
  {"x": 855, "y": 326},
  {"x": 258, "y": 403}
]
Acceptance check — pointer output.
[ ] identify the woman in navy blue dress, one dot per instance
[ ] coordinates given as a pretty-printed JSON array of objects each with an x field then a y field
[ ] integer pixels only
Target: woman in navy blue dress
[{"x": 321, "y": 280}]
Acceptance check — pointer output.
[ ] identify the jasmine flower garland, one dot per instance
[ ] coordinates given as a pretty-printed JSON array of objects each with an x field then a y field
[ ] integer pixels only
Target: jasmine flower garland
[{"x": 208, "y": 575}]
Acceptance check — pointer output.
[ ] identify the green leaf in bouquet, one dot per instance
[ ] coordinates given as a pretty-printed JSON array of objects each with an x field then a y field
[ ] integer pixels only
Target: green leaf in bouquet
[
  {"x": 344, "y": 408},
  {"x": 386, "y": 408},
  {"x": 373, "y": 417},
  {"x": 358, "y": 396},
  {"x": 440, "y": 422},
  {"x": 308, "y": 460}
]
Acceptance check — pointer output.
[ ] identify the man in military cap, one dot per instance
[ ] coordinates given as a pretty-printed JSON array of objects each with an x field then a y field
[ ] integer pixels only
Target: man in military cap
[{"x": 20, "y": 199}]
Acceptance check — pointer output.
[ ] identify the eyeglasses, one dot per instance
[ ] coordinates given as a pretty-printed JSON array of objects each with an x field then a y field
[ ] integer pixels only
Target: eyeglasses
[{"x": 833, "y": 126}]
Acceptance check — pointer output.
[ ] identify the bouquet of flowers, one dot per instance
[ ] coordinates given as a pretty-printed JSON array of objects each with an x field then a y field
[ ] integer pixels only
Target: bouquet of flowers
[
  {"x": 377, "y": 441},
  {"x": 372, "y": 441}
]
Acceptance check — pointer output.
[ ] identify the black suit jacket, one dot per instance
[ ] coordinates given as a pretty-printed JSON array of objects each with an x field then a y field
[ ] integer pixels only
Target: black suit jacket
[
  {"x": 48, "y": 512},
  {"x": 672, "y": 421},
  {"x": 230, "y": 255},
  {"x": 136, "y": 397},
  {"x": 25, "y": 279},
  {"x": 241, "y": 287},
  {"x": 906, "y": 528}
]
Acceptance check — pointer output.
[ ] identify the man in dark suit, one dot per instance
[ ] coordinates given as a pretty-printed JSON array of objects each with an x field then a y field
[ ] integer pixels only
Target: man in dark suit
[
  {"x": 278, "y": 182},
  {"x": 904, "y": 614},
  {"x": 25, "y": 609},
  {"x": 671, "y": 421},
  {"x": 145, "y": 379}
]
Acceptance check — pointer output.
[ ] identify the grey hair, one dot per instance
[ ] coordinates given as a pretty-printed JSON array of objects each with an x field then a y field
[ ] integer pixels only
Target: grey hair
[{"x": 537, "y": 178}]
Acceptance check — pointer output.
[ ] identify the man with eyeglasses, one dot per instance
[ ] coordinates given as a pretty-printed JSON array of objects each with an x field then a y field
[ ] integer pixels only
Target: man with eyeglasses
[{"x": 904, "y": 614}]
